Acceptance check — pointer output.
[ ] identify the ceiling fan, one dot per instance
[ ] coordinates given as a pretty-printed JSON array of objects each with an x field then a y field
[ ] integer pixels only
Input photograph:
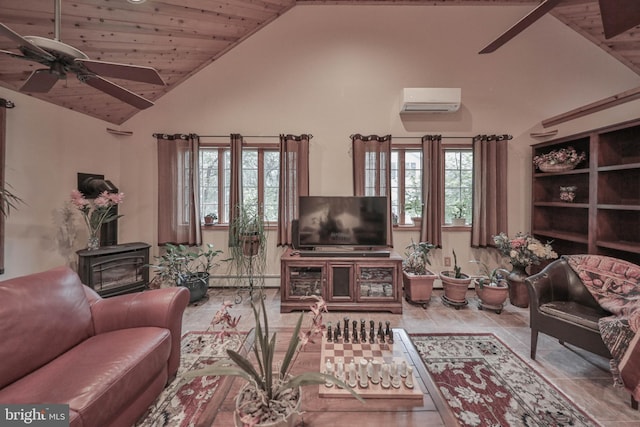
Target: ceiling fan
[
  {"x": 617, "y": 17},
  {"x": 61, "y": 59}
]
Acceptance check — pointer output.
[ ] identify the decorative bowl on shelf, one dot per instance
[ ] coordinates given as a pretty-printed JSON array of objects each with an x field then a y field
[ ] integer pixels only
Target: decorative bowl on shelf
[
  {"x": 568, "y": 194},
  {"x": 556, "y": 167}
]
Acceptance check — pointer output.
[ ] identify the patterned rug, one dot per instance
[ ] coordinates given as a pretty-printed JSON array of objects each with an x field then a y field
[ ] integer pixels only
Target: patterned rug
[
  {"x": 184, "y": 400},
  {"x": 486, "y": 384}
]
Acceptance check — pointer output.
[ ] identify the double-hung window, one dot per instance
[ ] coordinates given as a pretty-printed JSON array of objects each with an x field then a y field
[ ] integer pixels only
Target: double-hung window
[{"x": 458, "y": 184}]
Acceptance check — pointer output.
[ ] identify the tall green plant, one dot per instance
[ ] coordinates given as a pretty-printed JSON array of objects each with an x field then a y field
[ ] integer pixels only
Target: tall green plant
[{"x": 248, "y": 224}]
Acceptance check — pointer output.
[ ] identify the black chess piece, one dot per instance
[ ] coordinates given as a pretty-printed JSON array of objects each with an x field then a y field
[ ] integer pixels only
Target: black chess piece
[
  {"x": 363, "y": 331},
  {"x": 355, "y": 332},
  {"x": 336, "y": 335},
  {"x": 380, "y": 332},
  {"x": 329, "y": 334},
  {"x": 389, "y": 332},
  {"x": 346, "y": 329},
  {"x": 372, "y": 332}
]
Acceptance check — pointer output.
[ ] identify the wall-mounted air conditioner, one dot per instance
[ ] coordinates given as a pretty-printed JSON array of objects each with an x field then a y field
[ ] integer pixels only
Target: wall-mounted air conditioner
[{"x": 430, "y": 100}]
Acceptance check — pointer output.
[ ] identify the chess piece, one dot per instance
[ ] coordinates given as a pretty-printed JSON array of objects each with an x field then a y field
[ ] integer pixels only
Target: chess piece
[
  {"x": 389, "y": 333},
  {"x": 363, "y": 331},
  {"x": 375, "y": 371},
  {"x": 340, "y": 369},
  {"x": 370, "y": 368},
  {"x": 409, "y": 381},
  {"x": 329, "y": 371},
  {"x": 336, "y": 335},
  {"x": 364, "y": 379},
  {"x": 355, "y": 332},
  {"x": 372, "y": 334},
  {"x": 329, "y": 334},
  {"x": 403, "y": 369},
  {"x": 381, "y": 335},
  {"x": 346, "y": 329},
  {"x": 352, "y": 375},
  {"x": 393, "y": 368},
  {"x": 385, "y": 382},
  {"x": 395, "y": 381}
]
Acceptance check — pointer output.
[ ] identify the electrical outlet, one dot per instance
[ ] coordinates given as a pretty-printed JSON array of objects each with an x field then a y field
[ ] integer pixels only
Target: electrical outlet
[{"x": 447, "y": 261}]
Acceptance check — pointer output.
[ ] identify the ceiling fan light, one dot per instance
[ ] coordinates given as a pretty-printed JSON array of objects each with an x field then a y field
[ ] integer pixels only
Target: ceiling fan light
[{"x": 136, "y": 1}]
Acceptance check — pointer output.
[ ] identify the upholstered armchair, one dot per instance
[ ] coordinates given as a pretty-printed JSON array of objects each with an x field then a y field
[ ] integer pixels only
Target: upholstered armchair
[{"x": 562, "y": 307}]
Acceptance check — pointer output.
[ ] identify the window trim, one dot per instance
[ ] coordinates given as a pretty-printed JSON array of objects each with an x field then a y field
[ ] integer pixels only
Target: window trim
[{"x": 445, "y": 147}]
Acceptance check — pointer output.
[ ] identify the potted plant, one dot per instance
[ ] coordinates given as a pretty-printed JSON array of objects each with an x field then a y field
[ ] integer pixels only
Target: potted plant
[
  {"x": 210, "y": 218},
  {"x": 559, "y": 160},
  {"x": 458, "y": 210},
  {"x": 492, "y": 287},
  {"x": 8, "y": 200},
  {"x": 272, "y": 394},
  {"x": 455, "y": 284},
  {"x": 414, "y": 209},
  {"x": 417, "y": 278},
  {"x": 182, "y": 266}
]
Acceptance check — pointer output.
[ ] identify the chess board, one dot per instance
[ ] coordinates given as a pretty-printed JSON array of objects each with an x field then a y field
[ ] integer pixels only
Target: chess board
[{"x": 385, "y": 353}]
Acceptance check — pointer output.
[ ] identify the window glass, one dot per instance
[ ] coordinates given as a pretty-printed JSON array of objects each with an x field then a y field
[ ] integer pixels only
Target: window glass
[{"x": 458, "y": 184}]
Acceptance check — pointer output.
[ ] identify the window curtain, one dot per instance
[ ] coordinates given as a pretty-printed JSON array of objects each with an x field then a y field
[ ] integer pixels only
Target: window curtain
[
  {"x": 235, "y": 184},
  {"x": 372, "y": 171},
  {"x": 432, "y": 185},
  {"x": 4, "y": 104},
  {"x": 294, "y": 182},
  {"x": 489, "y": 188},
  {"x": 178, "y": 189}
]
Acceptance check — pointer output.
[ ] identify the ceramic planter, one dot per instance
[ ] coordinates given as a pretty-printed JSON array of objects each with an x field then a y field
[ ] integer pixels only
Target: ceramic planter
[
  {"x": 418, "y": 288},
  {"x": 197, "y": 283},
  {"x": 455, "y": 289},
  {"x": 492, "y": 297}
]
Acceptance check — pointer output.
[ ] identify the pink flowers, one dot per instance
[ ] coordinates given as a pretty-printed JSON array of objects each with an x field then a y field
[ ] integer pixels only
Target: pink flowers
[
  {"x": 99, "y": 212},
  {"x": 524, "y": 249},
  {"x": 223, "y": 317},
  {"x": 562, "y": 156}
]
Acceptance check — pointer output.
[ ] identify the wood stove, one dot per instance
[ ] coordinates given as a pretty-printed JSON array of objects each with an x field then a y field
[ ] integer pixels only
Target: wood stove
[{"x": 115, "y": 270}]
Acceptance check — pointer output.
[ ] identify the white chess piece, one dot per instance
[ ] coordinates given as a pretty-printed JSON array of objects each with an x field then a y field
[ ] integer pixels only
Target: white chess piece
[
  {"x": 328, "y": 371},
  {"x": 403, "y": 369},
  {"x": 352, "y": 375},
  {"x": 370, "y": 368},
  {"x": 364, "y": 378},
  {"x": 375, "y": 375},
  {"x": 340, "y": 370},
  {"x": 409, "y": 381},
  {"x": 385, "y": 376}
]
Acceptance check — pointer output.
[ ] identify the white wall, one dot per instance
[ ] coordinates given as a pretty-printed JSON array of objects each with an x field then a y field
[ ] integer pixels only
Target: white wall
[{"x": 330, "y": 71}]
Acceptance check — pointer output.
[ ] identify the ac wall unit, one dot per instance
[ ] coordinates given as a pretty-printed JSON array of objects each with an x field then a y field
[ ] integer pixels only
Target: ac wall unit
[{"x": 430, "y": 100}]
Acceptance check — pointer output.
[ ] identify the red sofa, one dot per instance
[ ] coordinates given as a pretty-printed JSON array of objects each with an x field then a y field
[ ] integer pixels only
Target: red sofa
[{"x": 108, "y": 359}]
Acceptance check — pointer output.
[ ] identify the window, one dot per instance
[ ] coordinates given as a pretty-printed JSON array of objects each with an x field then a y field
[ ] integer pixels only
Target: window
[
  {"x": 260, "y": 179},
  {"x": 406, "y": 183},
  {"x": 458, "y": 184}
]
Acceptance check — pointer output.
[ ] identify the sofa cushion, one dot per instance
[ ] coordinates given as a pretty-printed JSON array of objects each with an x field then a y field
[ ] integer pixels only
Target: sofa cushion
[
  {"x": 41, "y": 316},
  {"x": 573, "y": 312},
  {"x": 98, "y": 377}
]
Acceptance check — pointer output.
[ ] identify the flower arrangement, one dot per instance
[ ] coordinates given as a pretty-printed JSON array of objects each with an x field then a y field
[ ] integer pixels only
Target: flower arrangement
[
  {"x": 524, "y": 249},
  {"x": 562, "y": 156},
  {"x": 97, "y": 212},
  {"x": 272, "y": 391}
]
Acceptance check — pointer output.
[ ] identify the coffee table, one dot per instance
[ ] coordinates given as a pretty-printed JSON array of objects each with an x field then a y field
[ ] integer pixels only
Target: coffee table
[{"x": 345, "y": 411}]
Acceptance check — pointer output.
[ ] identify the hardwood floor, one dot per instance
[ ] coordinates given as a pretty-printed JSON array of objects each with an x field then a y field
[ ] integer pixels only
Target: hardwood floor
[{"x": 582, "y": 376}]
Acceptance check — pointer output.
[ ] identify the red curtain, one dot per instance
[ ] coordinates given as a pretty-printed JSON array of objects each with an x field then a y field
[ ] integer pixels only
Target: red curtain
[
  {"x": 432, "y": 185},
  {"x": 294, "y": 182}
]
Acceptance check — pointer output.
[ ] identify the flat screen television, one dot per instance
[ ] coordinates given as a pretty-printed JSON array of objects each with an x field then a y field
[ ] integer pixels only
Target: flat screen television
[{"x": 342, "y": 221}]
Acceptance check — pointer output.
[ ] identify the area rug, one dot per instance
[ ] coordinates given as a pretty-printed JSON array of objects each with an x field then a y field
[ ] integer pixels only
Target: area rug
[
  {"x": 184, "y": 400},
  {"x": 486, "y": 384}
]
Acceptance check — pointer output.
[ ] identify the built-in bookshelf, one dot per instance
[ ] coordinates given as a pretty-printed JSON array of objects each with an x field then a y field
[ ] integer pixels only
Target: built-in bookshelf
[{"x": 604, "y": 217}]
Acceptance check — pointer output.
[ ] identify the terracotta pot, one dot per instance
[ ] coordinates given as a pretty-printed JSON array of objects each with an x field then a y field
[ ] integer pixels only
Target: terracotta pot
[
  {"x": 455, "y": 290},
  {"x": 458, "y": 222},
  {"x": 518, "y": 293},
  {"x": 493, "y": 296},
  {"x": 418, "y": 288},
  {"x": 250, "y": 244}
]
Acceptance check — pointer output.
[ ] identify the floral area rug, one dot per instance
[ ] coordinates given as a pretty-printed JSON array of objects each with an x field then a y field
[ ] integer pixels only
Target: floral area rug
[
  {"x": 485, "y": 384},
  {"x": 184, "y": 400}
]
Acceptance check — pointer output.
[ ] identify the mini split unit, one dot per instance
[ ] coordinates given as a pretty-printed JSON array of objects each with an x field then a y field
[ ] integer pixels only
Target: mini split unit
[{"x": 430, "y": 100}]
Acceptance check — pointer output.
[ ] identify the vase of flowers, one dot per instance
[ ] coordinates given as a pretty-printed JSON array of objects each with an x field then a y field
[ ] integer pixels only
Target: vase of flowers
[
  {"x": 523, "y": 250},
  {"x": 96, "y": 212},
  {"x": 568, "y": 193},
  {"x": 560, "y": 160}
]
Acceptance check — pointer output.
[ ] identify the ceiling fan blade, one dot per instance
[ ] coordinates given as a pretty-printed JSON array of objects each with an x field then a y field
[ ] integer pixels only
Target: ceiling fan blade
[
  {"x": 123, "y": 71},
  {"x": 41, "y": 80},
  {"x": 14, "y": 55},
  {"x": 24, "y": 43},
  {"x": 116, "y": 91},
  {"x": 521, "y": 25},
  {"x": 619, "y": 16}
]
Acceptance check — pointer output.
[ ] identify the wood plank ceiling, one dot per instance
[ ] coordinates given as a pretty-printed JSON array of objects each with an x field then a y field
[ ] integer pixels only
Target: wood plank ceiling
[{"x": 180, "y": 37}]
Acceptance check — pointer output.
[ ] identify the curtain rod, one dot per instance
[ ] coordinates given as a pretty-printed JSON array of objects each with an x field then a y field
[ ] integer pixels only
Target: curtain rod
[
  {"x": 246, "y": 136},
  {"x": 448, "y": 137}
]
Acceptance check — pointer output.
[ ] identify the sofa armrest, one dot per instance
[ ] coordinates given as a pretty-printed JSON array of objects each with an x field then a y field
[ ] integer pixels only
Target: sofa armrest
[{"x": 161, "y": 308}]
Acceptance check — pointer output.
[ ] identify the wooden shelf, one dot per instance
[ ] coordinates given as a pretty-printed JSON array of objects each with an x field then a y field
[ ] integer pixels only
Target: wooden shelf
[{"x": 605, "y": 217}]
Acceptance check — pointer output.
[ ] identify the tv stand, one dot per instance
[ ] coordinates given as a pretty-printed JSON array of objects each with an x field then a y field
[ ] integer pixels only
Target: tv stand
[{"x": 346, "y": 280}]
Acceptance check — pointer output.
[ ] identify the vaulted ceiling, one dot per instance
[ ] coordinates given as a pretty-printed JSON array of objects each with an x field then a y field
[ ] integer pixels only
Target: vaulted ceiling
[{"x": 180, "y": 37}]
